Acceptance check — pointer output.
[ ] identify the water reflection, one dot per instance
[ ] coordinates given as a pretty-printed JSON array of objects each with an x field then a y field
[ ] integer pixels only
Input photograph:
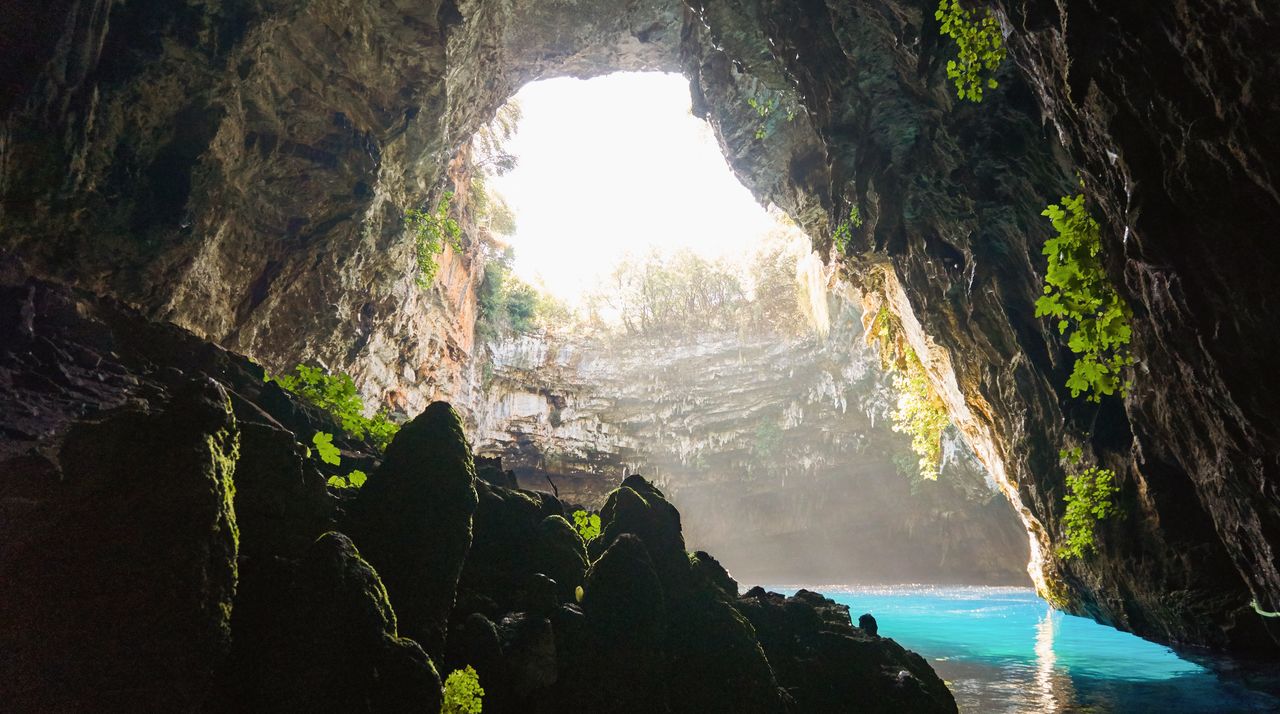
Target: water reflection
[
  {"x": 1057, "y": 694},
  {"x": 1003, "y": 650}
]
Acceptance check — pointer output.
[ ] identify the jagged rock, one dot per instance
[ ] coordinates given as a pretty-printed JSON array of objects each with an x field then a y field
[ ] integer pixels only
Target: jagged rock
[
  {"x": 512, "y": 542},
  {"x": 412, "y": 519},
  {"x": 320, "y": 635},
  {"x": 867, "y": 623},
  {"x": 638, "y": 508},
  {"x": 708, "y": 571},
  {"x": 117, "y": 592},
  {"x": 626, "y": 612},
  {"x": 827, "y": 665},
  {"x": 282, "y": 505},
  {"x": 561, "y": 554}
]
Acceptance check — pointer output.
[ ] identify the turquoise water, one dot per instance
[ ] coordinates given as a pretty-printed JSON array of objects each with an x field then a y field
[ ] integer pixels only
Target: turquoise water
[{"x": 1005, "y": 650}]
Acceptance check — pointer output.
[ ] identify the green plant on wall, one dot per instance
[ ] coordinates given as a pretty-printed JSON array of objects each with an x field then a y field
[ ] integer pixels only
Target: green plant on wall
[
  {"x": 1078, "y": 294},
  {"x": 980, "y": 47},
  {"x": 1090, "y": 498},
  {"x": 766, "y": 109},
  {"x": 432, "y": 230},
  {"x": 355, "y": 479},
  {"x": 588, "y": 525},
  {"x": 919, "y": 412},
  {"x": 844, "y": 231},
  {"x": 462, "y": 692},
  {"x": 337, "y": 394}
]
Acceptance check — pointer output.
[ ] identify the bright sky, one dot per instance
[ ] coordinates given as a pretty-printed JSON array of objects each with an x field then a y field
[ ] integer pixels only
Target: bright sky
[{"x": 613, "y": 165}]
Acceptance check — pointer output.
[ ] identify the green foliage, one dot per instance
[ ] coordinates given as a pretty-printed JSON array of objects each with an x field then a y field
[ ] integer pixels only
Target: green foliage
[
  {"x": 766, "y": 109},
  {"x": 844, "y": 231},
  {"x": 1091, "y": 498},
  {"x": 685, "y": 295},
  {"x": 462, "y": 692},
  {"x": 1078, "y": 294},
  {"x": 355, "y": 479},
  {"x": 337, "y": 395},
  {"x": 981, "y": 47},
  {"x": 921, "y": 415},
  {"x": 325, "y": 448},
  {"x": 431, "y": 231},
  {"x": 507, "y": 305},
  {"x": 588, "y": 525}
]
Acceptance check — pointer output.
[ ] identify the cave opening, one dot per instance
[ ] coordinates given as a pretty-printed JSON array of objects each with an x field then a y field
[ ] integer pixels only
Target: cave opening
[{"x": 641, "y": 312}]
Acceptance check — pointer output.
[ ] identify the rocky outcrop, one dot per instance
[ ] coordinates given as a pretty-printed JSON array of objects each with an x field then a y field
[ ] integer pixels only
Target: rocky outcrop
[
  {"x": 122, "y": 497},
  {"x": 242, "y": 166},
  {"x": 813, "y": 644},
  {"x": 413, "y": 518},
  {"x": 657, "y": 629},
  {"x": 119, "y": 563}
]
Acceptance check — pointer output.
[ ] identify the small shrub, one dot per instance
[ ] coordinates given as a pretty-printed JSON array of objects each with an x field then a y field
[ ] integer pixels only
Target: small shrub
[
  {"x": 431, "y": 231},
  {"x": 337, "y": 395},
  {"x": 844, "y": 231},
  {"x": 462, "y": 692},
  {"x": 1078, "y": 293},
  {"x": 981, "y": 47},
  {"x": 588, "y": 525},
  {"x": 1090, "y": 498}
]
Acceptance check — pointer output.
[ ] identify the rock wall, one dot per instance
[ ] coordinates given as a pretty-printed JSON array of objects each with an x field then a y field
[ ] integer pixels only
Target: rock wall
[
  {"x": 777, "y": 448},
  {"x": 242, "y": 166}
]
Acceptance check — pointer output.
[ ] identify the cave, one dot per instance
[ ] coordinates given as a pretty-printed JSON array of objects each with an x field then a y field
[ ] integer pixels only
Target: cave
[{"x": 185, "y": 183}]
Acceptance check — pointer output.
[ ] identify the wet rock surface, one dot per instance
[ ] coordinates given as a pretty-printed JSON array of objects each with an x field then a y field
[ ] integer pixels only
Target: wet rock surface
[{"x": 122, "y": 500}]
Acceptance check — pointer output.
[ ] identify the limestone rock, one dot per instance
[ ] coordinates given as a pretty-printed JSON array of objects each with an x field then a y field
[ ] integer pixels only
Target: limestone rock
[
  {"x": 117, "y": 592},
  {"x": 412, "y": 520}
]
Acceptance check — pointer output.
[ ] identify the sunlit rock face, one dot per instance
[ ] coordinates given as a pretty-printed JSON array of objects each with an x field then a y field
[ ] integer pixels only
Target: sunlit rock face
[
  {"x": 242, "y": 167},
  {"x": 777, "y": 449}
]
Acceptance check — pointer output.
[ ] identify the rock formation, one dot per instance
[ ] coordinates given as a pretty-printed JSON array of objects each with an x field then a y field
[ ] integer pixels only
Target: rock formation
[
  {"x": 127, "y": 586},
  {"x": 242, "y": 167}
]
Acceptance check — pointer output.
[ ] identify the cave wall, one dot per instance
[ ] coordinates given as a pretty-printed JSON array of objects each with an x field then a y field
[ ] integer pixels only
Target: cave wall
[
  {"x": 779, "y": 450},
  {"x": 241, "y": 167}
]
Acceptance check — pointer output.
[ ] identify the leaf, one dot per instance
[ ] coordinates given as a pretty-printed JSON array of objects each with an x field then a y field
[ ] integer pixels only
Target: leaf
[
  {"x": 325, "y": 448},
  {"x": 356, "y": 478}
]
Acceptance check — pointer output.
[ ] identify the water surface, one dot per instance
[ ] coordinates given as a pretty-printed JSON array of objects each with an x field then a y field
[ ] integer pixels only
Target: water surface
[{"x": 1006, "y": 650}]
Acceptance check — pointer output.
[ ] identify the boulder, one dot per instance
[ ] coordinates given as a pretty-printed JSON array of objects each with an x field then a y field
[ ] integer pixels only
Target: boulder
[
  {"x": 412, "y": 519},
  {"x": 627, "y": 617},
  {"x": 117, "y": 592},
  {"x": 320, "y": 635}
]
